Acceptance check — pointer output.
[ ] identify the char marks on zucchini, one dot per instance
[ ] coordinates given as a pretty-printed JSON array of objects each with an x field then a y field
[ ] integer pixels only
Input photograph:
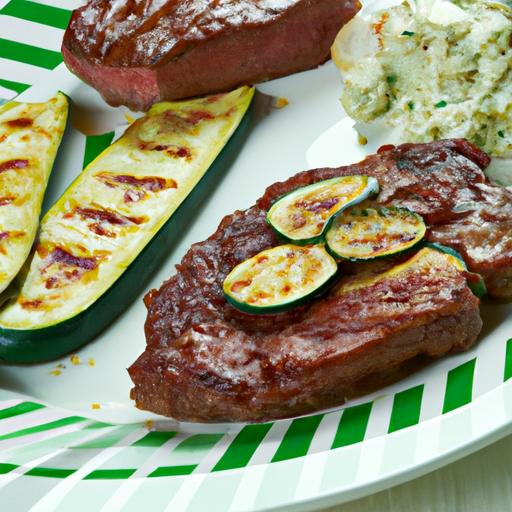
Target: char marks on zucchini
[
  {"x": 104, "y": 225},
  {"x": 30, "y": 135}
]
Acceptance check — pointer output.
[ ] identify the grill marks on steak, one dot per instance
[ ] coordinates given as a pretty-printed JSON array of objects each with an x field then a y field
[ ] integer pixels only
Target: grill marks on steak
[
  {"x": 207, "y": 361},
  {"x": 142, "y": 33},
  {"x": 142, "y": 51}
]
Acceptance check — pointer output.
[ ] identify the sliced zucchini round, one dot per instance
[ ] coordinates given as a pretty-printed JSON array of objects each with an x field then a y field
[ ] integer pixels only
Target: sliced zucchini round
[
  {"x": 475, "y": 281},
  {"x": 303, "y": 215},
  {"x": 368, "y": 233},
  {"x": 279, "y": 278}
]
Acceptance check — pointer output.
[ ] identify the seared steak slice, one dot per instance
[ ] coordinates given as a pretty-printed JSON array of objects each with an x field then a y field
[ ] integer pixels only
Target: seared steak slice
[
  {"x": 206, "y": 361},
  {"x": 138, "y": 52}
]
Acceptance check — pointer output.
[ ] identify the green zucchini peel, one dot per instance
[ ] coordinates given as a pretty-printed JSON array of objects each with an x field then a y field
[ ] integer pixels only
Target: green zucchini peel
[{"x": 475, "y": 281}]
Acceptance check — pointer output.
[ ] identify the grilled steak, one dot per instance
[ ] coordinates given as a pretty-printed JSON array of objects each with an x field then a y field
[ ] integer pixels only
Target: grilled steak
[
  {"x": 138, "y": 52},
  {"x": 206, "y": 361},
  {"x": 444, "y": 182}
]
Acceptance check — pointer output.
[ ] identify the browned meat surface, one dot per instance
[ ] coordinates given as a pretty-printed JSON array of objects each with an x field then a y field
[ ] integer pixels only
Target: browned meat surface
[
  {"x": 444, "y": 182},
  {"x": 205, "y": 361},
  {"x": 138, "y": 52}
]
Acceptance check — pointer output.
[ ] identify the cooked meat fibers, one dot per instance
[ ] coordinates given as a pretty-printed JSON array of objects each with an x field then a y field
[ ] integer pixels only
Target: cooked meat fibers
[
  {"x": 206, "y": 361},
  {"x": 139, "y": 52}
]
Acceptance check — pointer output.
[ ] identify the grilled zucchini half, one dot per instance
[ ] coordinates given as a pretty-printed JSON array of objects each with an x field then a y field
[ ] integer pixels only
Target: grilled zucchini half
[
  {"x": 304, "y": 215},
  {"x": 361, "y": 234},
  {"x": 30, "y": 135},
  {"x": 280, "y": 278},
  {"x": 103, "y": 238}
]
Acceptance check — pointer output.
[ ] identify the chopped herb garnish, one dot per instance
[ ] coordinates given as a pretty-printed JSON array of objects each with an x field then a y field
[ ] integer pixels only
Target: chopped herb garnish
[
  {"x": 501, "y": 134},
  {"x": 441, "y": 104},
  {"x": 391, "y": 79},
  {"x": 410, "y": 104},
  {"x": 407, "y": 33}
]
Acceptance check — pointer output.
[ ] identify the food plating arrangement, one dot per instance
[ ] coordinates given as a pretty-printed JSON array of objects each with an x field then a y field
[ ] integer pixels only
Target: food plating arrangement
[{"x": 329, "y": 285}]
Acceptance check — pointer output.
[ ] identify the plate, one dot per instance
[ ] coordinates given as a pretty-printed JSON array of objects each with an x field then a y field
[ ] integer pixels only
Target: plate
[{"x": 70, "y": 438}]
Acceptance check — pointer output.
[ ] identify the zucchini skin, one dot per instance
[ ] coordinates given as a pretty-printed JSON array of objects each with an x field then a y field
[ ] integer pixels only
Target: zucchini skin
[
  {"x": 270, "y": 310},
  {"x": 24, "y": 346},
  {"x": 372, "y": 190},
  {"x": 477, "y": 284}
]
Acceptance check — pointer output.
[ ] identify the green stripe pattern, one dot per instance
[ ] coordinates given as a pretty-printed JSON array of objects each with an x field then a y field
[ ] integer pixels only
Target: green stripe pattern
[
  {"x": 352, "y": 425},
  {"x": 22, "y": 408},
  {"x": 38, "y": 13},
  {"x": 242, "y": 448},
  {"x": 459, "y": 386},
  {"x": 296, "y": 441},
  {"x": 50, "y": 472},
  {"x": 7, "y": 468},
  {"x": 406, "y": 409},
  {"x": 94, "y": 145},
  {"x": 298, "y": 438},
  {"x": 14, "y": 86},
  {"x": 41, "y": 428},
  {"x": 110, "y": 474},
  {"x": 20, "y": 52},
  {"x": 173, "y": 470},
  {"x": 154, "y": 439},
  {"x": 508, "y": 360}
]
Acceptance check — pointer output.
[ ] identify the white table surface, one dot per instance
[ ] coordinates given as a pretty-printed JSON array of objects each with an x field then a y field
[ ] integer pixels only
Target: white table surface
[{"x": 481, "y": 482}]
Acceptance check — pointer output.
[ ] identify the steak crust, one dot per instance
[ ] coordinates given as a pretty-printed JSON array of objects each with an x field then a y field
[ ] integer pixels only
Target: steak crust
[
  {"x": 138, "y": 52},
  {"x": 206, "y": 361}
]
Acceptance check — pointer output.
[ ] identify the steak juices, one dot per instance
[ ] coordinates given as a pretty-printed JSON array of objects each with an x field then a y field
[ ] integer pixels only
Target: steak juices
[{"x": 207, "y": 361}]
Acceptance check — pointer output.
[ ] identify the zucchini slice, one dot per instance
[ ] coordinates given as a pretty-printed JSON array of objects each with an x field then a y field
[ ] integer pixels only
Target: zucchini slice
[
  {"x": 475, "y": 281},
  {"x": 30, "y": 135},
  {"x": 94, "y": 252},
  {"x": 303, "y": 215},
  {"x": 279, "y": 278},
  {"x": 367, "y": 233},
  {"x": 428, "y": 259}
]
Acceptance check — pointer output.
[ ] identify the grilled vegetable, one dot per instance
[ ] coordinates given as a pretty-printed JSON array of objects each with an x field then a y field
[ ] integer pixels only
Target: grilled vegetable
[
  {"x": 303, "y": 216},
  {"x": 279, "y": 278},
  {"x": 106, "y": 234},
  {"x": 429, "y": 258},
  {"x": 367, "y": 233},
  {"x": 30, "y": 134},
  {"x": 475, "y": 281}
]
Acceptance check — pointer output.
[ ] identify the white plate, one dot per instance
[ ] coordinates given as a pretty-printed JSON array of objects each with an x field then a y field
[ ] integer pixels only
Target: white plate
[{"x": 57, "y": 452}]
